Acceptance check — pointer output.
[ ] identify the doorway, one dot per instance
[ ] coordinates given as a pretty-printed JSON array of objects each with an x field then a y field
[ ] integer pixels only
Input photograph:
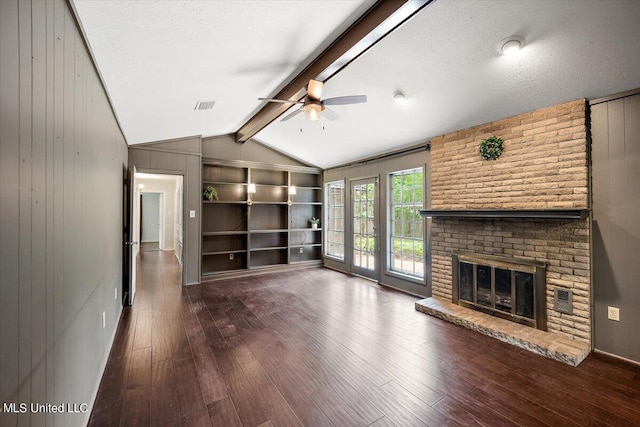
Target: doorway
[
  {"x": 364, "y": 261},
  {"x": 157, "y": 226}
]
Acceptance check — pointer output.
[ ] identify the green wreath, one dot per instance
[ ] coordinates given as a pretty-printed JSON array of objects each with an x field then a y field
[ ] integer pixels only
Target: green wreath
[{"x": 491, "y": 148}]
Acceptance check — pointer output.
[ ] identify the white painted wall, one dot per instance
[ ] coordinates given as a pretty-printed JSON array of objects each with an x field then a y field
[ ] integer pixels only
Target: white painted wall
[
  {"x": 168, "y": 187},
  {"x": 150, "y": 218}
]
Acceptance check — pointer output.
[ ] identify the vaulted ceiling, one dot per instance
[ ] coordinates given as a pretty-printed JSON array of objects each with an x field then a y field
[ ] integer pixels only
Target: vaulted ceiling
[{"x": 159, "y": 58}]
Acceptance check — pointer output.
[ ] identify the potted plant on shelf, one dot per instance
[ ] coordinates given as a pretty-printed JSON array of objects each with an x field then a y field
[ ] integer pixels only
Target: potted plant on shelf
[
  {"x": 210, "y": 194},
  {"x": 314, "y": 222}
]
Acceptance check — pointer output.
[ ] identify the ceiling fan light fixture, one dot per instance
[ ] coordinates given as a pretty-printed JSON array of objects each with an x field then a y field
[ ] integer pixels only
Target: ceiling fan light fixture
[
  {"x": 510, "y": 45},
  {"x": 312, "y": 111}
]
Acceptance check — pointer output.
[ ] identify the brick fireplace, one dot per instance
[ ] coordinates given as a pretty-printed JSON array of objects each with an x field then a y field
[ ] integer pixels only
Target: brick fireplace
[{"x": 544, "y": 166}]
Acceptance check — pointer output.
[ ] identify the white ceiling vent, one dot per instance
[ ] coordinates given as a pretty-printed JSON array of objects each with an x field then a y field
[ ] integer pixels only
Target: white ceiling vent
[{"x": 204, "y": 105}]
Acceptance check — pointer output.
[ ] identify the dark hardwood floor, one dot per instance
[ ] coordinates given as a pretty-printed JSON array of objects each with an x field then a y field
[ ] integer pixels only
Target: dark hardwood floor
[{"x": 319, "y": 348}]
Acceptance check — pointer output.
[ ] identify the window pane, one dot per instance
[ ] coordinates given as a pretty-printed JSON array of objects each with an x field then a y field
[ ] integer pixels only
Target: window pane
[
  {"x": 334, "y": 235},
  {"x": 406, "y": 246}
]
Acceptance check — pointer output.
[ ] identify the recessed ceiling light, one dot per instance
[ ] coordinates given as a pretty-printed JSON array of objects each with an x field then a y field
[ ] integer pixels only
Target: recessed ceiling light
[
  {"x": 399, "y": 96},
  {"x": 510, "y": 45}
]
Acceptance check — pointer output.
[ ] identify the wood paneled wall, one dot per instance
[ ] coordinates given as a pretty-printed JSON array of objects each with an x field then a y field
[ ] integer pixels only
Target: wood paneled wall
[
  {"x": 62, "y": 162},
  {"x": 615, "y": 130}
]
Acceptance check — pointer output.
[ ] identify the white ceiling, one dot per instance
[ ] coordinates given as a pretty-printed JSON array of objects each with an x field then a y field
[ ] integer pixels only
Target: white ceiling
[{"x": 444, "y": 59}]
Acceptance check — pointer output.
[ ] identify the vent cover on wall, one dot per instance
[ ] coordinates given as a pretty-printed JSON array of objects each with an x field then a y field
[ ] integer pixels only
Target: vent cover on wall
[
  {"x": 204, "y": 105},
  {"x": 563, "y": 300}
]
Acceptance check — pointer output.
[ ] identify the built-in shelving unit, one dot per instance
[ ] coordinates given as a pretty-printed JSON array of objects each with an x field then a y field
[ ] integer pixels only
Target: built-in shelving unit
[{"x": 266, "y": 228}]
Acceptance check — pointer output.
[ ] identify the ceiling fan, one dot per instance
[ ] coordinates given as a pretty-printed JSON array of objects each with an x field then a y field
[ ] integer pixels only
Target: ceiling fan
[{"x": 312, "y": 105}]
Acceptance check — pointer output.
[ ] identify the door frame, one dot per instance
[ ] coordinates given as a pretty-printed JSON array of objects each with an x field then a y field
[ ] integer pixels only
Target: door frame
[
  {"x": 366, "y": 273},
  {"x": 134, "y": 235},
  {"x": 185, "y": 212}
]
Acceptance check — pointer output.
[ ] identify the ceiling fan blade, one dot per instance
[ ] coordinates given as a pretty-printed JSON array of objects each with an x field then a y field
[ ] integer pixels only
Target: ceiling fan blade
[
  {"x": 314, "y": 90},
  {"x": 283, "y": 101},
  {"x": 290, "y": 115},
  {"x": 329, "y": 114},
  {"x": 345, "y": 100}
]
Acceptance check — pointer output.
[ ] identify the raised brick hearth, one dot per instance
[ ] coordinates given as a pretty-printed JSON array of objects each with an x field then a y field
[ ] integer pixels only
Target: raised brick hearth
[{"x": 543, "y": 166}]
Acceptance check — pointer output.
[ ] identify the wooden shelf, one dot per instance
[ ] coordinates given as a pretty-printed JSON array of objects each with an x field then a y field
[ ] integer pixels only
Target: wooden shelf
[
  {"x": 276, "y": 230},
  {"x": 240, "y": 251},
  {"x": 224, "y": 202},
  {"x": 272, "y": 185},
  {"x": 222, "y": 183},
  {"x": 268, "y": 249},
  {"x": 223, "y": 233},
  {"x": 305, "y": 229},
  {"x": 268, "y": 203},
  {"x": 304, "y": 245}
]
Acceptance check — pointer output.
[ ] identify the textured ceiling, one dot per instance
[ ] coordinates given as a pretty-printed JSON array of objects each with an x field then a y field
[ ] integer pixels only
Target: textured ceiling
[
  {"x": 445, "y": 60},
  {"x": 159, "y": 58}
]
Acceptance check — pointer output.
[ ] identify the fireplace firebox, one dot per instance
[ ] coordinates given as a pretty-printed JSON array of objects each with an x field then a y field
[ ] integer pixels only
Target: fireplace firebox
[{"x": 510, "y": 288}]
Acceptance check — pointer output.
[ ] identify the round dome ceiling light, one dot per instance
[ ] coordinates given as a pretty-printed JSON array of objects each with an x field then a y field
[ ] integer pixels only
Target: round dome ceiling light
[
  {"x": 510, "y": 45},
  {"x": 399, "y": 96}
]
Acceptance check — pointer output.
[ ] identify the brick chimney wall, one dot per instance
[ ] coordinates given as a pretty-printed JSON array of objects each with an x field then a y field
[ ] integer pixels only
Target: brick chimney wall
[{"x": 544, "y": 165}]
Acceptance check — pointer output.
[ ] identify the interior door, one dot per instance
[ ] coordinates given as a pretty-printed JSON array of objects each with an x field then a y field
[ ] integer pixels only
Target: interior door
[
  {"x": 134, "y": 221},
  {"x": 364, "y": 261}
]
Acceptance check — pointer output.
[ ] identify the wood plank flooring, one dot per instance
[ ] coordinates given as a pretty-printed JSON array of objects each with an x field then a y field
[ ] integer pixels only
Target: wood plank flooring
[{"x": 318, "y": 348}]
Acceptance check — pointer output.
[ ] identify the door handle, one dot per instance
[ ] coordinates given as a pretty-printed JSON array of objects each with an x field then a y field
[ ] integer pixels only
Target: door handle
[{"x": 131, "y": 243}]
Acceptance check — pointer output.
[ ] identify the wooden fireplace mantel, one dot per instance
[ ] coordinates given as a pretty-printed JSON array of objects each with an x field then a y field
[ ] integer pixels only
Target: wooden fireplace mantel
[{"x": 506, "y": 213}]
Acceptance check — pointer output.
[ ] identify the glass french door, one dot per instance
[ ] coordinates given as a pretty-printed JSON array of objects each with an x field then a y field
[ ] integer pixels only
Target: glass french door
[{"x": 364, "y": 260}]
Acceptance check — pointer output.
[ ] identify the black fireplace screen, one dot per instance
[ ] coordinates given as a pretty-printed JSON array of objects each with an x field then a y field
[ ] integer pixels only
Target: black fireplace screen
[{"x": 506, "y": 287}]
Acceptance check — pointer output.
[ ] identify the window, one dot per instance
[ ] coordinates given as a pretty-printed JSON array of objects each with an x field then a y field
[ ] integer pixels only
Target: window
[
  {"x": 406, "y": 237},
  {"x": 334, "y": 233}
]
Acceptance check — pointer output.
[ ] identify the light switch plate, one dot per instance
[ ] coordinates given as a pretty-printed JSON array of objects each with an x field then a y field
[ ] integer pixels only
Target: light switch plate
[
  {"x": 192, "y": 214},
  {"x": 613, "y": 313}
]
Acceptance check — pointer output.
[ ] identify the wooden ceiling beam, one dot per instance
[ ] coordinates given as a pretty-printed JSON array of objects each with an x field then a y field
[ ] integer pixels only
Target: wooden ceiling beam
[{"x": 379, "y": 21}]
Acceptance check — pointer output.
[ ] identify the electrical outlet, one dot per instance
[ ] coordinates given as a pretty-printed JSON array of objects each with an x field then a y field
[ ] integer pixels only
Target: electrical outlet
[
  {"x": 613, "y": 313},
  {"x": 301, "y": 250},
  {"x": 231, "y": 257},
  {"x": 104, "y": 320},
  {"x": 115, "y": 293}
]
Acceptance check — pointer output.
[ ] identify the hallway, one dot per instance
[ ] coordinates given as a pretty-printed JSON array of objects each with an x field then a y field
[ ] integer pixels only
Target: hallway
[{"x": 320, "y": 348}]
